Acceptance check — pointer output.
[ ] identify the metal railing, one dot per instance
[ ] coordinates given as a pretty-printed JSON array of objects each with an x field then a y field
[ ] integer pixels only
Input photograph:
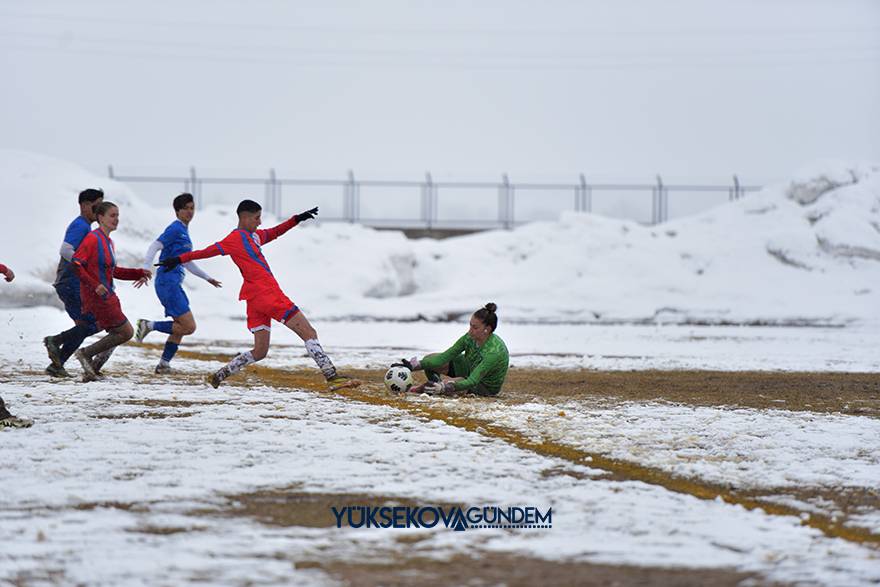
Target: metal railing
[{"x": 581, "y": 196}]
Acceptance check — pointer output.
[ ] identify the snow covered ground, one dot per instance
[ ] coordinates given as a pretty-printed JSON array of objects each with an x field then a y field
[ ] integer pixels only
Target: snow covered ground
[
  {"x": 103, "y": 468},
  {"x": 112, "y": 484}
]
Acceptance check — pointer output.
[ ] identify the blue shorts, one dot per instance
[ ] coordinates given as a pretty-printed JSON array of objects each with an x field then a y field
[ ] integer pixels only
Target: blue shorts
[
  {"x": 69, "y": 294},
  {"x": 173, "y": 298}
]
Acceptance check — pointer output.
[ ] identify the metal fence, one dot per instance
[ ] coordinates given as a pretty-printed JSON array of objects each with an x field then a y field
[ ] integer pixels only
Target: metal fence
[{"x": 481, "y": 205}]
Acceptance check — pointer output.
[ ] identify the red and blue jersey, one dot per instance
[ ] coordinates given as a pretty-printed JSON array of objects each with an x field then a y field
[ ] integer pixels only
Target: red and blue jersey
[
  {"x": 95, "y": 262},
  {"x": 246, "y": 251}
]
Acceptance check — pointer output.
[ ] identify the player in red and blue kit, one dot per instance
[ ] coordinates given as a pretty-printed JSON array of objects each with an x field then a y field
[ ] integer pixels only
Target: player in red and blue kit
[
  {"x": 173, "y": 242},
  {"x": 95, "y": 263},
  {"x": 265, "y": 300},
  {"x": 62, "y": 345}
]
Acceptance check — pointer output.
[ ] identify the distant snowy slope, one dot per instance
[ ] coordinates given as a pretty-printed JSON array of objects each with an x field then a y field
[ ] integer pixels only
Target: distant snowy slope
[{"x": 807, "y": 251}]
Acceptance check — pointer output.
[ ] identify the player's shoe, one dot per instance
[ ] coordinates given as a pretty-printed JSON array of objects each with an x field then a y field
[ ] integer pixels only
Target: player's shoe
[
  {"x": 7, "y": 419},
  {"x": 163, "y": 368},
  {"x": 217, "y": 377},
  {"x": 338, "y": 382},
  {"x": 53, "y": 351},
  {"x": 88, "y": 369},
  {"x": 57, "y": 371},
  {"x": 143, "y": 329}
]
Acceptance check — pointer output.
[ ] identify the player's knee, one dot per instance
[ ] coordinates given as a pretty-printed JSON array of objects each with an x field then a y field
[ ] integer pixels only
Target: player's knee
[
  {"x": 126, "y": 332},
  {"x": 259, "y": 354},
  {"x": 189, "y": 329}
]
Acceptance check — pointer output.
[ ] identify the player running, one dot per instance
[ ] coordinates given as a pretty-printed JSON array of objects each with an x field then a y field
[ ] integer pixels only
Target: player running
[
  {"x": 477, "y": 362},
  {"x": 95, "y": 263},
  {"x": 173, "y": 242},
  {"x": 265, "y": 300},
  {"x": 62, "y": 345},
  {"x": 7, "y": 419}
]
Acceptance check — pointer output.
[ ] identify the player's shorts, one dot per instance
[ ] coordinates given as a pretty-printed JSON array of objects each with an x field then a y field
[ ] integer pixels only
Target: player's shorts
[
  {"x": 267, "y": 306},
  {"x": 107, "y": 311},
  {"x": 69, "y": 295},
  {"x": 173, "y": 298}
]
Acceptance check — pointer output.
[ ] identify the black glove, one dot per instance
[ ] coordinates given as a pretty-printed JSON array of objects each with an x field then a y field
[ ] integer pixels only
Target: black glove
[
  {"x": 403, "y": 363},
  {"x": 307, "y": 215},
  {"x": 169, "y": 263}
]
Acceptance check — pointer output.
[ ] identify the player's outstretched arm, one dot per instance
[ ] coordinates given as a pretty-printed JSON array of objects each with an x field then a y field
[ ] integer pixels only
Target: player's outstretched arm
[
  {"x": 171, "y": 262},
  {"x": 271, "y": 234}
]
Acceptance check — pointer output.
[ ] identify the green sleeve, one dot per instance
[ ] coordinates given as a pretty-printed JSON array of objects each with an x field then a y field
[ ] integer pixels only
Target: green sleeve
[
  {"x": 433, "y": 363},
  {"x": 485, "y": 367}
]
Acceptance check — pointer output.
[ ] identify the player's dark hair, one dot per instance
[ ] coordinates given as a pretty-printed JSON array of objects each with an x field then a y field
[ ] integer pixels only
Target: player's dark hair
[
  {"x": 181, "y": 201},
  {"x": 102, "y": 208},
  {"x": 487, "y": 315},
  {"x": 248, "y": 206},
  {"x": 90, "y": 195}
]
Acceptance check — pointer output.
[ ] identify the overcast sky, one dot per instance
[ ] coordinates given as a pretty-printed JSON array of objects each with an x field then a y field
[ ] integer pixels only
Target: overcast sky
[{"x": 539, "y": 89}]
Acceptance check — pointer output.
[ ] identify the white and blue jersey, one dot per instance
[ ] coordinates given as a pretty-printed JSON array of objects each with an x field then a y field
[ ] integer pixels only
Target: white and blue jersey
[{"x": 175, "y": 242}]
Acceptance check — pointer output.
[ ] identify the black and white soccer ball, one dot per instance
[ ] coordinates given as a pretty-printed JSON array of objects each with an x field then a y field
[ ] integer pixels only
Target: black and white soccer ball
[{"x": 398, "y": 379}]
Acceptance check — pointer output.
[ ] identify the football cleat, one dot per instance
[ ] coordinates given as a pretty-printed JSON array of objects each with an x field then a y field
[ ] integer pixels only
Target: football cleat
[
  {"x": 57, "y": 371},
  {"x": 338, "y": 382},
  {"x": 53, "y": 351},
  {"x": 7, "y": 419},
  {"x": 143, "y": 329},
  {"x": 163, "y": 368}
]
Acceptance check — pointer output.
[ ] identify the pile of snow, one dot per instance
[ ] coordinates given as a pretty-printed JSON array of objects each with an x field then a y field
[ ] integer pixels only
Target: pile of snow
[{"x": 804, "y": 252}]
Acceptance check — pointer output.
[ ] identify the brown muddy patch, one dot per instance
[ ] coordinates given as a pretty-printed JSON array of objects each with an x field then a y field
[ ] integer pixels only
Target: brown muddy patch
[
  {"x": 291, "y": 506},
  {"x": 516, "y": 570}
]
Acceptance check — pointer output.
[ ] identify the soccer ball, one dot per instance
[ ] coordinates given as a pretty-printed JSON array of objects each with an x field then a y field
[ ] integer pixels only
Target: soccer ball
[{"x": 398, "y": 379}]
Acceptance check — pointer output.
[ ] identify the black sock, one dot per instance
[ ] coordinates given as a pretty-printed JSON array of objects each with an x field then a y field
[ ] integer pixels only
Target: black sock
[{"x": 75, "y": 337}]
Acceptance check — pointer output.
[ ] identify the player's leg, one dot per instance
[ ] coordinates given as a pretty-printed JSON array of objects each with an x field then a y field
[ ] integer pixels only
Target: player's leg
[
  {"x": 116, "y": 335},
  {"x": 434, "y": 375},
  {"x": 62, "y": 345},
  {"x": 298, "y": 323},
  {"x": 183, "y": 325},
  {"x": 260, "y": 325},
  {"x": 262, "y": 337}
]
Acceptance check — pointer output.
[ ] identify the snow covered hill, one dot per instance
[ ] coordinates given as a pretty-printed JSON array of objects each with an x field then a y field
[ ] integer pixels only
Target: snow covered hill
[{"x": 803, "y": 252}]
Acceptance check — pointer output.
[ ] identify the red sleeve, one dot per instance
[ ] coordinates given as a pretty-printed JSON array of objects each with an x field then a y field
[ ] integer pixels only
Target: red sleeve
[
  {"x": 127, "y": 274},
  {"x": 270, "y": 234},
  {"x": 84, "y": 255},
  {"x": 3, "y": 268},
  {"x": 206, "y": 253}
]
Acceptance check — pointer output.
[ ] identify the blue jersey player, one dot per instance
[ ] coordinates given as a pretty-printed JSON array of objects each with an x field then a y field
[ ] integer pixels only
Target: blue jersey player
[
  {"x": 173, "y": 242},
  {"x": 62, "y": 345}
]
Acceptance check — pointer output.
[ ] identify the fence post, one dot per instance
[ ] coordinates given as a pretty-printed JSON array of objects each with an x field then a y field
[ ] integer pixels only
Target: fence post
[
  {"x": 428, "y": 200},
  {"x": 736, "y": 187},
  {"x": 194, "y": 187},
  {"x": 273, "y": 194},
  {"x": 659, "y": 202},
  {"x": 504, "y": 202},
  {"x": 351, "y": 213},
  {"x": 110, "y": 171}
]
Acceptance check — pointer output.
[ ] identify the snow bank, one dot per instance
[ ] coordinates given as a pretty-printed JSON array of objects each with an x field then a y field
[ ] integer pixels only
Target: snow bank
[{"x": 805, "y": 252}]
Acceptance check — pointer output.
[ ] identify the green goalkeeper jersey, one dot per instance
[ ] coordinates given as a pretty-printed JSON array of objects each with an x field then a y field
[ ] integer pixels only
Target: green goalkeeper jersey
[{"x": 484, "y": 366}]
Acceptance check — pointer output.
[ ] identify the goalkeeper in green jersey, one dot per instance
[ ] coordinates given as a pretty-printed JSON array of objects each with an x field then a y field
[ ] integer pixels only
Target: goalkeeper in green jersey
[{"x": 476, "y": 363}]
